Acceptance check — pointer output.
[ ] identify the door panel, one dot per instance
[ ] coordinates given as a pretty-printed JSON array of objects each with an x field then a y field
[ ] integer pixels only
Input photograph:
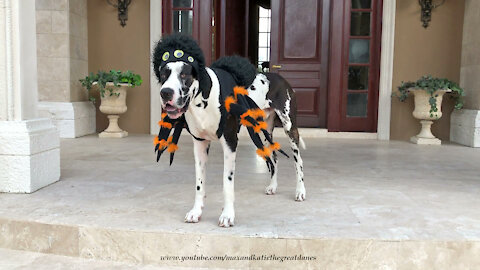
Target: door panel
[
  {"x": 192, "y": 17},
  {"x": 299, "y": 52}
]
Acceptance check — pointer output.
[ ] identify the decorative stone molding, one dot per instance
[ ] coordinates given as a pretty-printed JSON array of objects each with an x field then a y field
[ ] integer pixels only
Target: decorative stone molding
[
  {"x": 155, "y": 35},
  {"x": 72, "y": 119},
  {"x": 29, "y": 155},
  {"x": 465, "y": 127}
]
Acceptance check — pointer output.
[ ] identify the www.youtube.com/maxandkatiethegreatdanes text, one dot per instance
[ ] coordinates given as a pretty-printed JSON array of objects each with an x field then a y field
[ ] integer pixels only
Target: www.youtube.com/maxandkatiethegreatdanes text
[{"x": 252, "y": 257}]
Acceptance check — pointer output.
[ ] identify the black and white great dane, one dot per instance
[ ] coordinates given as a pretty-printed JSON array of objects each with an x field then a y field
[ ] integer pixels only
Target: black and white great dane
[{"x": 180, "y": 96}]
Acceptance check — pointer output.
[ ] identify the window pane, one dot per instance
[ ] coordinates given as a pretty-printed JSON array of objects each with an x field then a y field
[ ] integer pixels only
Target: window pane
[
  {"x": 263, "y": 12},
  {"x": 357, "y": 105},
  {"x": 358, "y": 78},
  {"x": 359, "y": 51},
  {"x": 263, "y": 25},
  {"x": 182, "y": 3},
  {"x": 360, "y": 24},
  {"x": 183, "y": 21},
  {"x": 263, "y": 40},
  {"x": 361, "y": 3},
  {"x": 263, "y": 54}
]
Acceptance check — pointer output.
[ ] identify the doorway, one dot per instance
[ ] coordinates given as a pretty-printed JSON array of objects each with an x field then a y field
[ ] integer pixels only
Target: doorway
[{"x": 329, "y": 51}]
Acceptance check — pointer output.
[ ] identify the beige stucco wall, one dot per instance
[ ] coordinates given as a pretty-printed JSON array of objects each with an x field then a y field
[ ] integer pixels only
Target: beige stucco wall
[
  {"x": 470, "y": 70},
  {"x": 418, "y": 51},
  {"x": 111, "y": 46},
  {"x": 62, "y": 51}
]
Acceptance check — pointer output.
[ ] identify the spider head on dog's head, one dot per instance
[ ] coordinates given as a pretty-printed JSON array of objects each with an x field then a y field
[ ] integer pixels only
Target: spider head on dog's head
[{"x": 180, "y": 67}]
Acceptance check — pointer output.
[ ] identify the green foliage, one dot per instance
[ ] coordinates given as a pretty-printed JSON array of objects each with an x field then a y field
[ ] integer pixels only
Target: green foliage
[
  {"x": 114, "y": 76},
  {"x": 431, "y": 85}
]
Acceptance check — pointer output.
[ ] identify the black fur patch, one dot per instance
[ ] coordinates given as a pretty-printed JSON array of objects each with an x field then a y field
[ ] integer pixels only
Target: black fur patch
[
  {"x": 230, "y": 133},
  {"x": 198, "y": 187},
  {"x": 187, "y": 44},
  {"x": 240, "y": 68}
]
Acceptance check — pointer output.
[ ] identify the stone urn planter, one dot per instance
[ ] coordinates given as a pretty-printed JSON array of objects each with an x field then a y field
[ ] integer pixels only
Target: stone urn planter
[
  {"x": 422, "y": 112},
  {"x": 113, "y": 105},
  {"x": 113, "y": 96},
  {"x": 428, "y": 92}
]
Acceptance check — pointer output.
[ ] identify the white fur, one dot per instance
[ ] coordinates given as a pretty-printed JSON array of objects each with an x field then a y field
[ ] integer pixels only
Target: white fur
[
  {"x": 259, "y": 95},
  {"x": 203, "y": 122},
  {"x": 201, "y": 158},
  {"x": 173, "y": 82},
  {"x": 227, "y": 218}
]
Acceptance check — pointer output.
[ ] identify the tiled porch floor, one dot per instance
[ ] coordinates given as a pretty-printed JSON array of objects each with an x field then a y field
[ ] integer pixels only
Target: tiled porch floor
[{"x": 357, "y": 189}]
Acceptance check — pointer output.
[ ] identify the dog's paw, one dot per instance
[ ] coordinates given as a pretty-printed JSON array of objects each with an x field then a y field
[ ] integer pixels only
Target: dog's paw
[
  {"x": 300, "y": 193},
  {"x": 193, "y": 216},
  {"x": 271, "y": 189},
  {"x": 227, "y": 218}
]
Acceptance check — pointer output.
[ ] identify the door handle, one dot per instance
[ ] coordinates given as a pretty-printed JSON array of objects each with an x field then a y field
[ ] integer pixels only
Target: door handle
[{"x": 277, "y": 66}]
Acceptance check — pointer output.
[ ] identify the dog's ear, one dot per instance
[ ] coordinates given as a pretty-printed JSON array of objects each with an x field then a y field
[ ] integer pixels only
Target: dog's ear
[{"x": 205, "y": 83}]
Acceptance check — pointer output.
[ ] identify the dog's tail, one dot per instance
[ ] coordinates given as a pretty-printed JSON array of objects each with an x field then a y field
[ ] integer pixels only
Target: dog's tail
[
  {"x": 242, "y": 71},
  {"x": 302, "y": 143}
]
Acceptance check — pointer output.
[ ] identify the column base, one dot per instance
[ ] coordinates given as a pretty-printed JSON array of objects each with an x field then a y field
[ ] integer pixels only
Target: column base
[
  {"x": 29, "y": 155},
  {"x": 425, "y": 141},
  {"x": 72, "y": 119},
  {"x": 465, "y": 127},
  {"x": 118, "y": 134}
]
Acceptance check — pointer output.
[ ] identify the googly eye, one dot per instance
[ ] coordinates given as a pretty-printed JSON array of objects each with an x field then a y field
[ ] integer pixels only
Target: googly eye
[
  {"x": 190, "y": 59},
  {"x": 165, "y": 56},
  {"x": 178, "y": 53}
]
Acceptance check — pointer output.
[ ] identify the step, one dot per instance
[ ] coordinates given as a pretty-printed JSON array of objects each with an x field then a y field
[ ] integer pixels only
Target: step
[
  {"x": 17, "y": 260},
  {"x": 370, "y": 205}
]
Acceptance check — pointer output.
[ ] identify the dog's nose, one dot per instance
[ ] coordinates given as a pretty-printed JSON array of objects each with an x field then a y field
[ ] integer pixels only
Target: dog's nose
[{"x": 166, "y": 94}]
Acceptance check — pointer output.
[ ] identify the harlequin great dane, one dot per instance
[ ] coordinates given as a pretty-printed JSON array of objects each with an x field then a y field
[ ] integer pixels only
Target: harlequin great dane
[{"x": 197, "y": 97}]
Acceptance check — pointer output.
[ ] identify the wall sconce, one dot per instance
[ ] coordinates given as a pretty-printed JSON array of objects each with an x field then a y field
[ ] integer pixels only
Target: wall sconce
[
  {"x": 122, "y": 6},
  {"x": 427, "y": 7}
]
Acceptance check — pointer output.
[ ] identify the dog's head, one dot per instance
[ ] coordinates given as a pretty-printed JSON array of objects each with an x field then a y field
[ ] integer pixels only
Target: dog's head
[{"x": 178, "y": 64}]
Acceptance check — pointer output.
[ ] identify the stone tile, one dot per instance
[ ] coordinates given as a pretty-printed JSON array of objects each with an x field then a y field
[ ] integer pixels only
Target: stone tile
[
  {"x": 44, "y": 238},
  {"x": 158, "y": 246},
  {"x": 53, "y": 45},
  {"x": 111, "y": 245},
  {"x": 44, "y": 4},
  {"x": 438, "y": 255},
  {"x": 78, "y": 48},
  {"x": 77, "y": 91},
  {"x": 79, "y": 7},
  {"x": 78, "y": 26},
  {"x": 53, "y": 69},
  {"x": 53, "y": 90},
  {"x": 43, "y": 21},
  {"x": 60, "y": 22},
  {"x": 78, "y": 69},
  {"x": 60, "y": 4}
]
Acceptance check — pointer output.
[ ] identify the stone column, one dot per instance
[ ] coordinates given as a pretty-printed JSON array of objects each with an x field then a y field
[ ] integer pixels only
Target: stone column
[
  {"x": 62, "y": 47},
  {"x": 29, "y": 146},
  {"x": 465, "y": 124}
]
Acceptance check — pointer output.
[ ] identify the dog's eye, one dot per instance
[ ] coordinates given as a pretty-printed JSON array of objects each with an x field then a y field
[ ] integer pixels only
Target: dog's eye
[
  {"x": 163, "y": 76},
  {"x": 182, "y": 76}
]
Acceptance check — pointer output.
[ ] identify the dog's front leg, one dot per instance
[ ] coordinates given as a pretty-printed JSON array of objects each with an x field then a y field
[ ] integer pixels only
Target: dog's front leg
[
  {"x": 229, "y": 146},
  {"x": 200, "y": 151}
]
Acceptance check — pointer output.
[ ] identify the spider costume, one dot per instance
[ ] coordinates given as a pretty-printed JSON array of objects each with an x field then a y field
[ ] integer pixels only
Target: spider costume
[{"x": 234, "y": 74}]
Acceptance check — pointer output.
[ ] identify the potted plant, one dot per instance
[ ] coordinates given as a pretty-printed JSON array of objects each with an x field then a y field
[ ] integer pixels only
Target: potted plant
[
  {"x": 428, "y": 92},
  {"x": 113, "y": 87}
]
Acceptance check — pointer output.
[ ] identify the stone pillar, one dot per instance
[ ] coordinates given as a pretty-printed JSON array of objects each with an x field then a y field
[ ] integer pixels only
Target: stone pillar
[
  {"x": 62, "y": 47},
  {"x": 465, "y": 124},
  {"x": 29, "y": 146}
]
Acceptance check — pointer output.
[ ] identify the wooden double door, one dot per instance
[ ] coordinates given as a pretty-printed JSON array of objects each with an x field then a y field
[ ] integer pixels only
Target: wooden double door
[{"x": 327, "y": 50}]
